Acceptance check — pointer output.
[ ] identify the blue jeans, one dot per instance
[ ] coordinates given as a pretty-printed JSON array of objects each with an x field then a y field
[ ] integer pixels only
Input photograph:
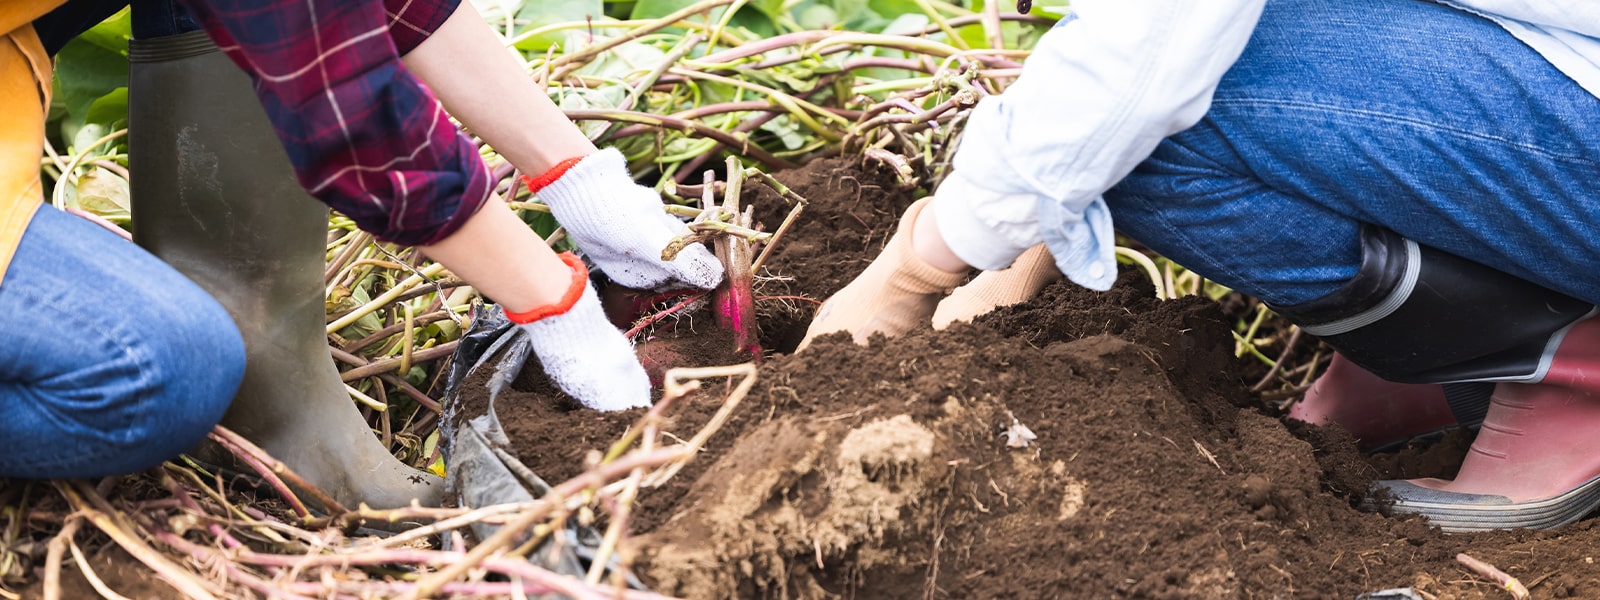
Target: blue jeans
[
  {"x": 1429, "y": 121},
  {"x": 113, "y": 362}
]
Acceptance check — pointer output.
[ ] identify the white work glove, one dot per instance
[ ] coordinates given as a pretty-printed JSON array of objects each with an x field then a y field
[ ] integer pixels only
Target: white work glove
[
  {"x": 620, "y": 225},
  {"x": 582, "y": 352}
]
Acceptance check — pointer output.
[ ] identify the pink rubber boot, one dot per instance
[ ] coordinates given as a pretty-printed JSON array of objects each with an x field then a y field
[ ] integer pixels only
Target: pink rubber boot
[
  {"x": 1379, "y": 413},
  {"x": 1536, "y": 460}
]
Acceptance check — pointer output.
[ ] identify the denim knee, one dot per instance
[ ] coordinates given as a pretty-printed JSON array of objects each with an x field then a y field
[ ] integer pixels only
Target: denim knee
[
  {"x": 118, "y": 363},
  {"x": 204, "y": 360},
  {"x": 192, "y": 360}
]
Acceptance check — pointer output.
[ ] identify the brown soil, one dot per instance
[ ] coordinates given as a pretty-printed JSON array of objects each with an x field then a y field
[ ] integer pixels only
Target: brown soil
[
  {"x": 885, "y": 471},
  {"x": 116, "y": 569},
  {"x": 851, "y": 214}
]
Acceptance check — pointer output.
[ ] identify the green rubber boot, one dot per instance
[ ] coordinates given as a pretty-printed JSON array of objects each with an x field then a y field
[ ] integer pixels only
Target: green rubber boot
[{"x": 215, "y": 197}]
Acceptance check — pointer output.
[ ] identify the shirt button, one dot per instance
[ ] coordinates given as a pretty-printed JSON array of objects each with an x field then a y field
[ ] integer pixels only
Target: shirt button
[{"x": 1097, "y": 271}]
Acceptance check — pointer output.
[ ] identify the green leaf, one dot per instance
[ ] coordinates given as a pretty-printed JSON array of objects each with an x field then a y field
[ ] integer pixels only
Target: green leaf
[
  {"x": 681, "y": 145},
  {"x": 817, "y": 16},
  {"x": 89, "y": 133},
  {"x": 907, "y": 24},
  {"x": 416, "y": 376},
  {"x": 891, "y": 9},
  {"x": 800, "y": 77},
  {"x": 495, "y": 11},
  {"x": 444, "y": 330},
  {"x": 84, "y": 73},
  {"x": 368, "y": 323},
  {"x": 1055, "y": 12},
  {"x": 111, "y": 34},
  {"x": 1014, "y": 34},
  {"x": 605, "y": 98},
  {"x": 788, "y": 131},
  {"x": 849, "y": 11},
  {"x": 429, "y": 444},
  {"x": 539, "y": 13},
  {"x": 755, "y": 22},
  {"x": 770, "y": 8},
  {"x": 712, "y": 92},
  {"x": 975, "y": 36},
  {"x": 543, "y": 223},
  {"x": 619, "y": 10},
  {"x": 655, "y": 9},
  {"x": 110, "y": 109},
  {"x": 619, "y": 62},
  {"x": 103, "y": 193}
]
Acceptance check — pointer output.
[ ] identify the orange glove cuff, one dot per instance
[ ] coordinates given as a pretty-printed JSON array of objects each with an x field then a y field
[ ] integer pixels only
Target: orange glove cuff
[
  {"x": 580, "y": 282},
  {"x": 548, "y": 177}
]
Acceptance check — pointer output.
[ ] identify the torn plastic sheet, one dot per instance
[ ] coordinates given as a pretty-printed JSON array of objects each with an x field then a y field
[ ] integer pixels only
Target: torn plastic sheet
[{"x": 481, "y": 469}]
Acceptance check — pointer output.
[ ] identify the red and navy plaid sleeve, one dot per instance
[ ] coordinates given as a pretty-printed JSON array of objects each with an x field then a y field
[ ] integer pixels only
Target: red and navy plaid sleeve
[
  {"x": 411, "y": 21},
  {"x": 364, "y": 135}
]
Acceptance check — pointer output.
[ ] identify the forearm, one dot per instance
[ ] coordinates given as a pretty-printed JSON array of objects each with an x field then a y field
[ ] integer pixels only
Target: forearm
[
  {"x": 484, "y": 87},
  {"x": 498, "y": 254}
]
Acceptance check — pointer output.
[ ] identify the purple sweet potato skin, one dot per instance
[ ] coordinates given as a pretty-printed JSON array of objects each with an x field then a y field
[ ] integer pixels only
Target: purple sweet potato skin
[
  {"x": 624, "y": 307},
  {"x": 657, "y": 356},
  {"x": 735, "y": 307}
]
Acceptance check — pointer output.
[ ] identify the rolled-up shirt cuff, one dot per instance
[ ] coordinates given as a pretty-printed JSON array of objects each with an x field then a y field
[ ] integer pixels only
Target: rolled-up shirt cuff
[
  {"x": 413, "y": 21},
  {"x": 985, "y": 229}
]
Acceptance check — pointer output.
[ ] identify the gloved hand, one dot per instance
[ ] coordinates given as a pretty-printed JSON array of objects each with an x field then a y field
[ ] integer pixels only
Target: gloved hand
[
  {"x": 581, "y": 351},
  {"x": 621, "y": 226},
  {"x": 994, "y": 289},
  {"x": 895, "y": 294}
]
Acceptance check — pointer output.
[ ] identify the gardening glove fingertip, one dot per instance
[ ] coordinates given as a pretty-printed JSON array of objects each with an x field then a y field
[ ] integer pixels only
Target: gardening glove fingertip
[
  {"x": 698, "y": 267},
  {"x": 1020, "y": 282},
  {"x": 897, "y": 293},
  {"x": 582, "y": 352}
]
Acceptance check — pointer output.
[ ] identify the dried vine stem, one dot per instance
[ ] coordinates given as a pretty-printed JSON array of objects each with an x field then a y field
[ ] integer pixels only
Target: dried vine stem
[
  {"x": 553, "y": 501},
  {"x": 622, "y": 508},
  {"x": 53, "y": 552},
  {"x": 788, "y": 220},
  {"x": 276, "y": 470},
  {"x": 680, "y": 382},
  {"x": 1510, "y": 584},
  {"x": 88, "y": 573},
  {"x": 191, "y": 586}
]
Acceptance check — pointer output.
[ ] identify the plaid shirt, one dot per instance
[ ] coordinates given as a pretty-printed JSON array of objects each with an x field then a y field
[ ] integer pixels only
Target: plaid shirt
[{"x": 364, "y": 135}]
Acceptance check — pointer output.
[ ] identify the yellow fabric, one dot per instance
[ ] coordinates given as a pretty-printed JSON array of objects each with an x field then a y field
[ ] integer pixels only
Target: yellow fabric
[
  {"x": 16, "y": 14},
  {"x": 24, "y": 100}
]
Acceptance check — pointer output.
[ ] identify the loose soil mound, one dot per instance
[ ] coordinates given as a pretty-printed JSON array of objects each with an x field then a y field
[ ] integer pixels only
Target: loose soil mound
[{"x": 905, "y": 469}]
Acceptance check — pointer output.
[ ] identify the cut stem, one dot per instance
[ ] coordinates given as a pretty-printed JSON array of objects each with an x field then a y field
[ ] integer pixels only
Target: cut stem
[
  {"x": 1510, "y": 584},
  {"x": 734, "y": 301}
]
